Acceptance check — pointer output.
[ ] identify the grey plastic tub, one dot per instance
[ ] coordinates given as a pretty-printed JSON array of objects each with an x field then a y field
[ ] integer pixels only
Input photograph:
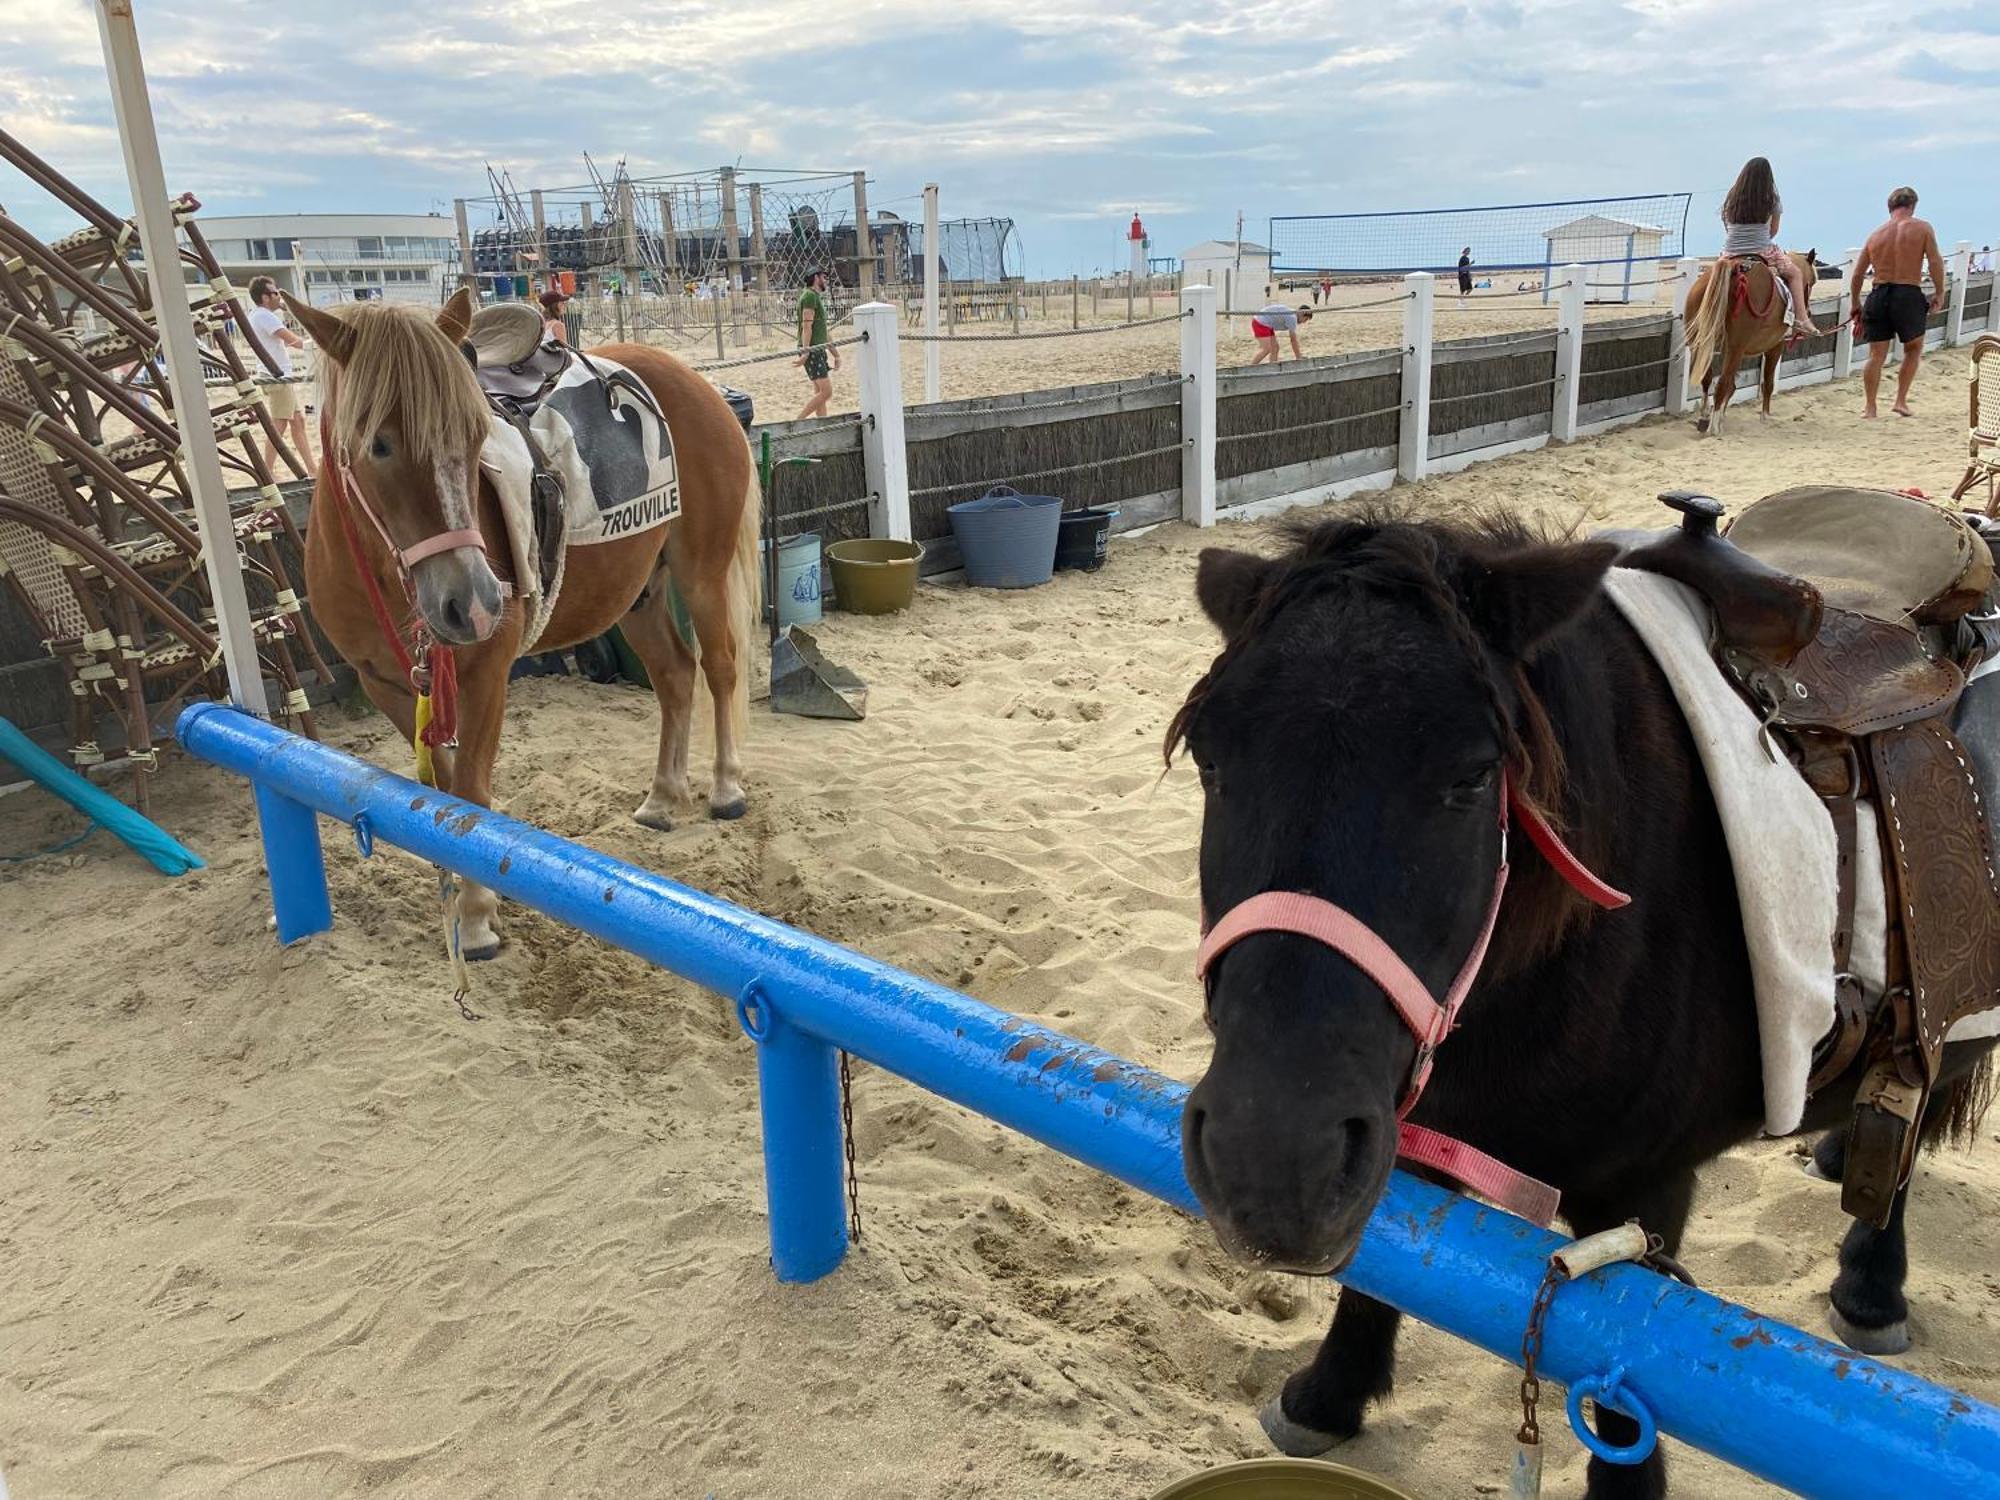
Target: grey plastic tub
[{"x": 1007, "y": 539}]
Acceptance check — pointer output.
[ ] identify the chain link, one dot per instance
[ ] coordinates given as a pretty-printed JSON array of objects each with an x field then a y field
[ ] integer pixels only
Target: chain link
[
  {"x": 847, "y": 1135},
  {"x": 1531, "y": 1351}
]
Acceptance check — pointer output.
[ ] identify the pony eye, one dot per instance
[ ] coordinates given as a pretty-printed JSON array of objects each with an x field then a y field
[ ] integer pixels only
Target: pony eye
[
  {"x": 378, "y": 449},
  {"x": 1468, "y": 792},
  {"x": 1210, "y": 782}
]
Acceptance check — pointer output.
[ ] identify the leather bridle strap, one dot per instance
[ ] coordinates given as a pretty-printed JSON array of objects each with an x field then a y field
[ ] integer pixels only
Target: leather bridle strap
[
  {"x": 1430, "y": 1021},
  {"x": 406, "y": 557}
]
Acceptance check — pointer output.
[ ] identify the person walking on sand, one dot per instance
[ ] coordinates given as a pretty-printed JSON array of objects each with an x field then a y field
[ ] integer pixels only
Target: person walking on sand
[
  {"x": 1272, "y": 321},
  {"x": 1464, "y": 274},
  {"x": 814, "y": 354},
  {"x": 268, "y": 331},
  {"x": 1897, "y": 308},
  {"x": 1750, "y": 216}
]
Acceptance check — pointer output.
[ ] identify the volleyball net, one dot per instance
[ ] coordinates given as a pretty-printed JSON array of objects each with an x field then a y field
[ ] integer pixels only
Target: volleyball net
[{"x": 1511, "y": 237}]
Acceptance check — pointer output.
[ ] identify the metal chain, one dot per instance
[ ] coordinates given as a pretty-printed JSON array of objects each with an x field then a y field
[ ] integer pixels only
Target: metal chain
[
  {"x": 793, "y": 353},
  {"x": 1095, "y": 463},
  {"x": 1054, "y": 333},
  {"x": 1359, "y": 416},
  {"x": 847, "y": 1134},
  {"x": 1531, "y": 1351}
]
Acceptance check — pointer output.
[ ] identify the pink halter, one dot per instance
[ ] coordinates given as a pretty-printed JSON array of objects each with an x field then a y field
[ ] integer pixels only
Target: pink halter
[{"x": 1429, "y": 1021}]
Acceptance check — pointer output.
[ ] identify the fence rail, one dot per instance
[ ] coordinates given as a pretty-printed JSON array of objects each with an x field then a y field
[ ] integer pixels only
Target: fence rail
[{"x": 1834, "y": 1425}]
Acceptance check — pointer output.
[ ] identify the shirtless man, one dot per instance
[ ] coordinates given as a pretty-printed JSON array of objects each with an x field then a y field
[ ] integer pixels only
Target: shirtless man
[{"x": 1897, "y": 308}]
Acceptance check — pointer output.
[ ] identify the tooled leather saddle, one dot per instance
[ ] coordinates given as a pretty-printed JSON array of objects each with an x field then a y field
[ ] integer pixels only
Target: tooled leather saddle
[{"x": 1849, "y": 620}]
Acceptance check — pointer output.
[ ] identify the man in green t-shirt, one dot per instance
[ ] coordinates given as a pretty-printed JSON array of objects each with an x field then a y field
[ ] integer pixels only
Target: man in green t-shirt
[{"x": 813, "y": 351}]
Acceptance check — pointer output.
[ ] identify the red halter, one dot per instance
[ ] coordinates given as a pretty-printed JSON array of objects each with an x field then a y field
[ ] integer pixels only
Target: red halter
[{"x": 1430, "y": 1021}]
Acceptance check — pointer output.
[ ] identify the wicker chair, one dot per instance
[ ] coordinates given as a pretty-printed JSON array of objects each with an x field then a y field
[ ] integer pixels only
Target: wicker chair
[{"x": 1984, "y": 439}]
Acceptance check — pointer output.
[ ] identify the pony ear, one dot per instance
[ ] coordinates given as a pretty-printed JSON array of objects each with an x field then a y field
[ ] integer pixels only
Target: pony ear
[
  {"x": 455, "y": 321},
  {"x": 331, "y": 333},
  {"x": 1520, "y": 600},
  {"x": 1229, "y": 584}
]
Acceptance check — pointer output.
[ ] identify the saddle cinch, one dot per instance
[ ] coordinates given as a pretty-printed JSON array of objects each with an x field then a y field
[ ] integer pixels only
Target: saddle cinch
[{"x": 1850, "y": 620}]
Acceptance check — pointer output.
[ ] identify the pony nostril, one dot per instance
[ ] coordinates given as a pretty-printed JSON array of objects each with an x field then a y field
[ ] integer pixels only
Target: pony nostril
[{"x": 454, "y": 615}]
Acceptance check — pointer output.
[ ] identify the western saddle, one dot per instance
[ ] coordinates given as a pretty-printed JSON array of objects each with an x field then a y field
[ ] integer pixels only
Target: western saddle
[{"x": 1849, "y": 619}]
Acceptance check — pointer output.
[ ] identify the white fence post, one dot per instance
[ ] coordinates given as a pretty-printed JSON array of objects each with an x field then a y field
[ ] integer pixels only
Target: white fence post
[
  {"x": 1957, "y": 270},
  {"x": 1198, "y": 405},
  {"x": 1413, "y": 439},
  {"x": 933, "y": 351},
  {"x": 1569, "y": 355},
  {"x": 1678, "y": 396},
  {"x": 1843, "y": 335},
  {"x": 884, "y": 459}
]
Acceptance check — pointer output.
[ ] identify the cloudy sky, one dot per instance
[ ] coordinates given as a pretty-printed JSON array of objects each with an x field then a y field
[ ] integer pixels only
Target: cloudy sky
[{"x": 1063, "y": 114}]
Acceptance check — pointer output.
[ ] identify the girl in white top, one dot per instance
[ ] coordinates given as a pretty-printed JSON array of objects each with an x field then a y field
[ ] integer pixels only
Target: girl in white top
[{"x": 1750, "y": 216}]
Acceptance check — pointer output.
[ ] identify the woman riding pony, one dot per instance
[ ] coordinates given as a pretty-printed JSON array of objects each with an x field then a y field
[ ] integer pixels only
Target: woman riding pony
[{"x": 1750, "y": 216}]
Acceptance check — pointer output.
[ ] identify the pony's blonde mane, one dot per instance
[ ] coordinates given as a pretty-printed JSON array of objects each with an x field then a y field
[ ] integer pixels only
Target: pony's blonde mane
[{"x": 402, "y": 367}]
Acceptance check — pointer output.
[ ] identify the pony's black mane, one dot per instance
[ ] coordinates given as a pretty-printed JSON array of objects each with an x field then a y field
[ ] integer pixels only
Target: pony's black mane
[{"x": 1382, "y": 547}]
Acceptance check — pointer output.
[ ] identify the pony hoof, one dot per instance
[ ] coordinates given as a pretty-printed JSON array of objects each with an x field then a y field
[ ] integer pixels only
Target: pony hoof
[
  {"x": 1891, "y": 1338},
  {"x": 484, "y": 953},
  {"x": 1294, "y": 1439},
  {"x": 729, "y": 812},
  {"x": 660, "y": 822},
  {"x": 1701, "y": 424}
]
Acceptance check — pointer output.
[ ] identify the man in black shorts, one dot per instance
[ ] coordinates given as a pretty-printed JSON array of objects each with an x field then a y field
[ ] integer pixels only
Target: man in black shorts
[
  {"x": 814, "y": 352},
  {"x": 1898, "y": 308}
]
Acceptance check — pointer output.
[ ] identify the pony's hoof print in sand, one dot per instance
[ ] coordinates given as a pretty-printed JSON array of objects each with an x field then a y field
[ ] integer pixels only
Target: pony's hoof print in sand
[
  {"x": 1891, "y": 1338},
  {"x": 1294, "y": 1439}
]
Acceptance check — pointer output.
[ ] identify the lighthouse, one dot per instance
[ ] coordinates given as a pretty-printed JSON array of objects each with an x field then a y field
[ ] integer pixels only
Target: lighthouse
[{"x": 1137, "y": 235}]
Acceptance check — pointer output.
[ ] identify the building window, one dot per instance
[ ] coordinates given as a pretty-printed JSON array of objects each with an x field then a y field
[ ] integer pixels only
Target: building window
[
  {"x": 368, "y": 247},
  {"x": 283, "y": 250}
]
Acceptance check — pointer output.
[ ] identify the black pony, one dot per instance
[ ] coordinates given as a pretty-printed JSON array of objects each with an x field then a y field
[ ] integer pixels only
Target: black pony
[{"x": 1379, "y": 684}]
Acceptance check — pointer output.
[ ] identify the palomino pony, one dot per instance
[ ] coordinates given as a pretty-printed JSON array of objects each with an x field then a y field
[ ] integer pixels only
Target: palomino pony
[
  {"x": 1383, "y": 687},
  {"x": 403, "y": 419},
  {"x": 1747, "y": 321}
]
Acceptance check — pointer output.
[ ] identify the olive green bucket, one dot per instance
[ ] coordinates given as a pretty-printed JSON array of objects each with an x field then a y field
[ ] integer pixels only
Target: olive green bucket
[
  {"x": 1283, "y": 1479},
  {"x": 873, "y": 575}
]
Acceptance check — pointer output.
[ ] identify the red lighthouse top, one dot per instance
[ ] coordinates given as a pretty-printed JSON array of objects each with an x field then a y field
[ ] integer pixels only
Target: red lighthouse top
[{"x": 1137, "y": 231}]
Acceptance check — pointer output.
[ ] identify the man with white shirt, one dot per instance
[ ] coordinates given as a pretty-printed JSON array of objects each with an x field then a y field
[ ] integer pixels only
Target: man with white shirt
[{"x": 269, "y": 333}]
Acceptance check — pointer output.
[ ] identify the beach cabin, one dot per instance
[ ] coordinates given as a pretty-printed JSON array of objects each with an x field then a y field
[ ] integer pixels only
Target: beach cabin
[
  {"x": 1620, "y": 260},
  {"x": 1204, "y": 264}
]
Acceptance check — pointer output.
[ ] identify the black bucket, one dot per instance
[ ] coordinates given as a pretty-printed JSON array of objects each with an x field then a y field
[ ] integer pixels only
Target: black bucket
[
  {"x": 1083, "y": 536},
  {"x": 741, "y": 404}
]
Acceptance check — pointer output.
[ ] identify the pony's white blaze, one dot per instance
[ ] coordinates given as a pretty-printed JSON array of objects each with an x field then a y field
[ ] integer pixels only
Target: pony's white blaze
[{"x": 454, "y": 491}]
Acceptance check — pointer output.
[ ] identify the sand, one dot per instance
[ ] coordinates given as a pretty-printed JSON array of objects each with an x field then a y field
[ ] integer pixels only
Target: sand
[{"x": 281, "y": 1223}]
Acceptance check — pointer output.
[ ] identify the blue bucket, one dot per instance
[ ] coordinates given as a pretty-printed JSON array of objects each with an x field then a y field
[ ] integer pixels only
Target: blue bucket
[
  {"x": 1008, "y": 539},
  {"x": 798, "y": 578}
]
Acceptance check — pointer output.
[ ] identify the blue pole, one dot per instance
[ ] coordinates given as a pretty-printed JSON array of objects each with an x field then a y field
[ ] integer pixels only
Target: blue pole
[
  {"x": 297, "y": 868},
  {"x": 1779, "y": 1403},
  {"x": 798, "y": 1086}
]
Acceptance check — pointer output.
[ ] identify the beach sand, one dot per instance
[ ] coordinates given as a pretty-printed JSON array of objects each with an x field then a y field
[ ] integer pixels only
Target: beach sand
[{"x": 281, "y": 1223}]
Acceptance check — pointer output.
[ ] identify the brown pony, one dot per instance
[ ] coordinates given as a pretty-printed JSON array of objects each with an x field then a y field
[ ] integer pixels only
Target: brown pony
[
  {"x": 1744, "y": 322},
  {"x": 401, "y": 412}
]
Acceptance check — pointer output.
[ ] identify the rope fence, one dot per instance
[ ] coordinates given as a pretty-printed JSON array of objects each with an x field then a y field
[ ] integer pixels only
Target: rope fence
[
  {"x": 1067, "y": 401},
  {"x": 791, "y": 353},
  {"x": 1272, "y": 432},
  {"x": 1505, "y": 390},
  {"x": 1051, "y": 333},
  {"x": 1095, "y": 463},
  {"x": 834, "y": 508}
]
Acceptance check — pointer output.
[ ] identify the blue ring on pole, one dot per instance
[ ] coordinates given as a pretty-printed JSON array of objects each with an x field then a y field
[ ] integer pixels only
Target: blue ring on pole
[
  {"x": 1610, "y": 1391},
  {"x": 753, "y": 1011},
  {"x": 364, "y": 835}
]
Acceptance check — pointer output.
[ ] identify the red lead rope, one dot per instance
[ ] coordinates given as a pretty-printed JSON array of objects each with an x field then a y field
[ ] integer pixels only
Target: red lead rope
[{"x": 433, "y": 661}]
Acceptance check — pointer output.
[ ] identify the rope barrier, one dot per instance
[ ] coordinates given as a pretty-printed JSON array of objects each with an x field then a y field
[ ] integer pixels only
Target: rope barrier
[
  {"x": 1095, "y": 463},
  {"x": 1265, "y": 432},
  {"x": 793, "y": 353},
  {"x": 1321, "y": 312},
  {"x": 1053, "y": 333},
  {"x": 1156, "y": 385},
  {"x": 1507, "y": 390},
  {"x": 826, "y": 510}
]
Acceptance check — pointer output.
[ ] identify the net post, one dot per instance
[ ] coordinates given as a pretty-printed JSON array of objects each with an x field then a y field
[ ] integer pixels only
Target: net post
[
  {"x": 1198, "y": 405},
  {"x": 1413, "y": 441},
  {"x": 884, "y": 457},
  {"x": 1957, "y": 270},
  {"x": 1678, "y": 403},
  {"x": 1569, "y": 355}
]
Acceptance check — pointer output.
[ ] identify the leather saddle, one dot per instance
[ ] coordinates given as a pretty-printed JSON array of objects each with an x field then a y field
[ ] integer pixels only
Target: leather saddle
[
  {"x": 1849, "y": 620},
  {"x": 512, "y": 355}
]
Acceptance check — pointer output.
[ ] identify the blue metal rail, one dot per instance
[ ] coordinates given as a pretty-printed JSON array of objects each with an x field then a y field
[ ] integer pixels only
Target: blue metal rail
[{"x": 1760, "y": 1394}]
